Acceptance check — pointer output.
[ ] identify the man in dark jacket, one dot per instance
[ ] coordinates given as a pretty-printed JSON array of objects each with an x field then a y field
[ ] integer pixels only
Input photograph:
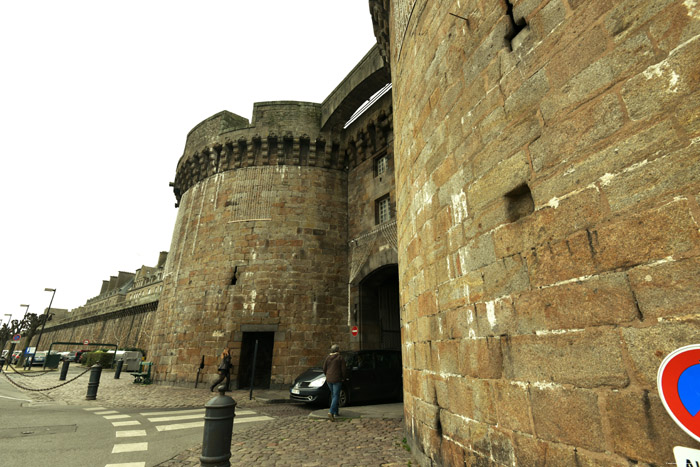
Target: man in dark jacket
[{"x": 335, "y": 370}]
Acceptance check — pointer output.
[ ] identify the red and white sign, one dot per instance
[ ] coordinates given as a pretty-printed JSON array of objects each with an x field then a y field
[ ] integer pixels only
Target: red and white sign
[
  {"x": 86, "y": 342},
  {"x": 354, "y": 331},
  {"x": 16, "y": 337},
  {"x": 677, "y": 380}
]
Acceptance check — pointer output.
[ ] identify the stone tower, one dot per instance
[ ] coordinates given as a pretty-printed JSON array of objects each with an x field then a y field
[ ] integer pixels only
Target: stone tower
[
  {"x": 259, "y": 247},
  {"x": 548, "y": 169}
]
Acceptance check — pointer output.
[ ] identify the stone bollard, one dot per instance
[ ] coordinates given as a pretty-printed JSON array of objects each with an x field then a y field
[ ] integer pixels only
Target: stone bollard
[
  {"x": 94, "y": 383},
  {"x": 218, "y": 429},
  {"x": 118, "y": 371},
  {"x": 64, "y": 370}
]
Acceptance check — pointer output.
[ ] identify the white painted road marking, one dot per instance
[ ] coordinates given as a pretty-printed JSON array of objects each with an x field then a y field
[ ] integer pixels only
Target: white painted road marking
[
  {"x": 129, "y": 447},
  {"x": 91, "y": 409},
  {"x": 116, "y": 417},
  {"x": 179, "y": 426},
  {"x": 15, "y": 399},
  {"x": 130, "y": 433},
  {"x": 126, "y": 423},
  {"x": 177, "y": 417},
  {"x": 106, "y": 412},
  {"x": 149, "y": 414},
  {"x": 128, "y": 464}
]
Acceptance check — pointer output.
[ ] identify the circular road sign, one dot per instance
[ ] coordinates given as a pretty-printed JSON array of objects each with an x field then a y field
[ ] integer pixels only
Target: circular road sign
[
  {"x": 354, "y": 331},
  {"x": 16, "y": 337},
  {"x": 678, "y": 379},
  {"x": 86, "y": 342}
]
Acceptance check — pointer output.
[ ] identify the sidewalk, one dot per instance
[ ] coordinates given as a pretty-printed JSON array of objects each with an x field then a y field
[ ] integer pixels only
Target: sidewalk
[{"x": 298, "y": 436}]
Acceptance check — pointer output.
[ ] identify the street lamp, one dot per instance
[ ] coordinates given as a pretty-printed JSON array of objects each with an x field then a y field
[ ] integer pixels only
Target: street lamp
[
  {"x": 46, "y": 318},
  {"x": 9, "y": 319},
  {"x": 26, "y": 310}
]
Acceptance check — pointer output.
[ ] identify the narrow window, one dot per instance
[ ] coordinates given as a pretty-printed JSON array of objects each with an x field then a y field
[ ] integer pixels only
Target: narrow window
[
  {"x": 382, "y": 209},
  {"x": 381, "y": 164}
]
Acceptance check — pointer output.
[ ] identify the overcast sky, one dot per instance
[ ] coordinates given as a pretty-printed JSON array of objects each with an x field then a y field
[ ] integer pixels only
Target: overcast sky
[{"x": 97, "y": 99}]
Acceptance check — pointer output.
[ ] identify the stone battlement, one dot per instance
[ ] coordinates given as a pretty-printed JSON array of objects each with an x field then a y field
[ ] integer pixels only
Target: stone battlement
[{"x": 282, "y": 133}]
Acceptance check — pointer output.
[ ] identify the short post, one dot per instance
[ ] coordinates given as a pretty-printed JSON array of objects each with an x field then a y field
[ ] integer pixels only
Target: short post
[
  {"x": 218, "y": 429},
  {"x": 94, "y": 383},
  {"x": 118, "y": 371},
  {"x": 64, "y": 370}
]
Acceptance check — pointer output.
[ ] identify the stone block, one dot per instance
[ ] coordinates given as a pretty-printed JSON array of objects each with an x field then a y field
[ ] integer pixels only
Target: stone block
[
  {"x": 651, "y": 235},
  {"x": 665, "y": 84},
  {"x": 575, "y": 133},
  {"x": 661, "y": 179},
  {"x": 476, "y": 254},
  {"x": 629, "y": 16},
  {"x": 625, "y": 60},
  {"x": 647, "y": 143},
  {"x": 552, "y": 223},
  {"x": 447, "y": 353},
  {"x": 513, "y": 406},
  {"x": 527, "y": 97},
  {"x": 568, "y": 416},
  {"x": 496, "y": 317},
  {"x": 601, "y": 300},
  {"x": 588, "y": 358},
  {"x": 503, "y": 178},
  {"x": 648, "y": 346},
  {"x": 480, "y": 358},
  {"x": 667, "y": 289},
  {"x": 505, "y": 276},
  {"x": 641, "y": 428}
]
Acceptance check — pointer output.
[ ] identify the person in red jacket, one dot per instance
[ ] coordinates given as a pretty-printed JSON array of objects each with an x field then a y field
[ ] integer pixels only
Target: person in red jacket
[{"x": 335, "y": 370}]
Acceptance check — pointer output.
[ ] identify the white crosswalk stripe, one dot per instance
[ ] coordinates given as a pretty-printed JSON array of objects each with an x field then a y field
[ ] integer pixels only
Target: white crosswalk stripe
[
  {"x": 126, "y": 423},
  {"x": 128, "y": 464},
  {"x": 130, "y": 433},
  {"x": 129, "y": 447}
]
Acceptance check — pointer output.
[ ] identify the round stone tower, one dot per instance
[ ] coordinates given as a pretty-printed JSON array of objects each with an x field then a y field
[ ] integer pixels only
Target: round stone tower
[{"x": 258, "y": 259}]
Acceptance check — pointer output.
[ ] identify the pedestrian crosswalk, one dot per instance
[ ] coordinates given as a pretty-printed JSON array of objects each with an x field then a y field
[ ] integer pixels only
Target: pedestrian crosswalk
[{"x": 134, "y": 426}]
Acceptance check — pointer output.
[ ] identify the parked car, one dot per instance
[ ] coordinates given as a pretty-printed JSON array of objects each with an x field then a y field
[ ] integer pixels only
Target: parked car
[
  {"x": 74, "y": 356},
  {"x": 39, "y": 357},
  {"x": 373, "y": 375}
]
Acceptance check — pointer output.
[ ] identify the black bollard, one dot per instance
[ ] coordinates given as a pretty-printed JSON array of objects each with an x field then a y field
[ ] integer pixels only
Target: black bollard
[
  {"x": 94, "y": 383},
  {"x": 218, "y": 429},
  {"x": 118, "y": 371},
  {"x": 64, "y": 370}
]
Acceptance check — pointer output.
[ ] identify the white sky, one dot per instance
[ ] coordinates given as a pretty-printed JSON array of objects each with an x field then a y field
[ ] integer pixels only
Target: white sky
[{"x": 97, "y": 99}]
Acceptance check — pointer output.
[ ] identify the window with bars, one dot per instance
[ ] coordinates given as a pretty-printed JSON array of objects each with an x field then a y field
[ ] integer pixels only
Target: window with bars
[{"x": 382, "y": 209}]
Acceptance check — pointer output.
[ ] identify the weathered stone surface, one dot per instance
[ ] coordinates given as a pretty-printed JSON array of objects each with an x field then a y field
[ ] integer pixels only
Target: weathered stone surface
[
  {"x": 669, "y": 176},
  {"x": 513, "y": 406},
  {"x": 586, "y": 358},
  {"x": 648, "y": 346},
  {"x": 602, "y": 300},
  {"x": 642, "y": 428},
  {"x": 567, "y": 415},
  {"x": 667, "y": 289}
]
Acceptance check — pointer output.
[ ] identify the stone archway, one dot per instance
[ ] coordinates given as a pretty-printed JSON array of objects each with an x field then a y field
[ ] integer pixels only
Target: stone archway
[{"x": 380, "y": 317}]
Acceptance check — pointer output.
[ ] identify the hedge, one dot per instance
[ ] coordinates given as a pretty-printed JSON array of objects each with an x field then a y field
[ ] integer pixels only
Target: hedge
[{"x": 103, "y": 358}]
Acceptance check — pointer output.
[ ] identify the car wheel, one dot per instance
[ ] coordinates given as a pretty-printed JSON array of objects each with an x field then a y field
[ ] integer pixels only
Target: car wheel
[{"x": 343, "y": 398}]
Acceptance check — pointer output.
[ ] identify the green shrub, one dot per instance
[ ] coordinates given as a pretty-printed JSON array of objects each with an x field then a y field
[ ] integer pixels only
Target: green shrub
[{"x": 103, "y": 358}]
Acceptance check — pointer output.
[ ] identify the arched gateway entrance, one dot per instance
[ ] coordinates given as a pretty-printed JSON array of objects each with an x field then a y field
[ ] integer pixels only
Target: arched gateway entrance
[{"x": 380, "y": 320}]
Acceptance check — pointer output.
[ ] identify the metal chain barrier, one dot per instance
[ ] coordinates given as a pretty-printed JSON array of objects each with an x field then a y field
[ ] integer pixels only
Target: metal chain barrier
[
  {"x": 43, "y": 389},
  {"x": 40, "y": 373}
]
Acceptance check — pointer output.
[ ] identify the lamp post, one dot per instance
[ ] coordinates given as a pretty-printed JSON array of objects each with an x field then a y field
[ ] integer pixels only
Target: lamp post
[
  {"x": 26, "y": 310},
  {"x": 46, "y": 317},
  {"x": 9, "y": 319}
]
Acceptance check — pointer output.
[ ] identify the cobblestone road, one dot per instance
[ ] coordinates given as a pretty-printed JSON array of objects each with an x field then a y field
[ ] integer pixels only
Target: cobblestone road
[{"x": 292, "y": 439}]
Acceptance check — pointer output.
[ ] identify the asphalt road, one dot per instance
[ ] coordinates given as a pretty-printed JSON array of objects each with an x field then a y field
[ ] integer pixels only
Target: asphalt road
[{"x": 51, "y": 434}]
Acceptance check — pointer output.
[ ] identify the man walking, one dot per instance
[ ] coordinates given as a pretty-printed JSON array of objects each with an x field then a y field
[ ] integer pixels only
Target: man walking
[{"x": 335, "y": 370}]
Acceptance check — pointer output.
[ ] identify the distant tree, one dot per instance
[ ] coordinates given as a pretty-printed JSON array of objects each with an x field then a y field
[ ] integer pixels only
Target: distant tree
[
  {"x": 5, "y": 334},
  {"x": 29, "y": 326}
]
